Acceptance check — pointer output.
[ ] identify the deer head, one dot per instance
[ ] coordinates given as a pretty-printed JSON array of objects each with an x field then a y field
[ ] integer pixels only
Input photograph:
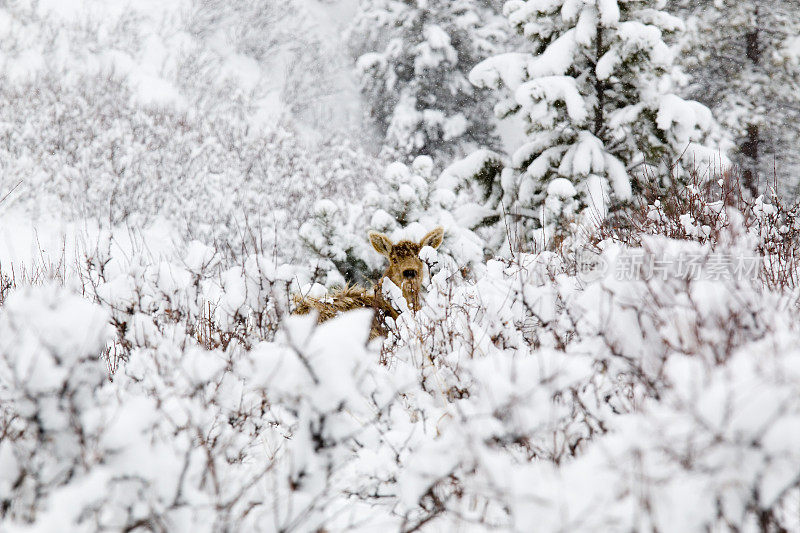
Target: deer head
[{"x": 405, "y": 266}]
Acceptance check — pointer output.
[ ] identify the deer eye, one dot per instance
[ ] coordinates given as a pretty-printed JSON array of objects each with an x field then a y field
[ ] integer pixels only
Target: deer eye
[{"x": 410, "y": 274}]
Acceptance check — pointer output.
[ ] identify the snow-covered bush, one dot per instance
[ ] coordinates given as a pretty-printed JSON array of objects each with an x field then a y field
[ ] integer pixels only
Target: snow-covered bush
[
  {"x": 186, "y": 437},
  {"x": 141, "y": 116},
  {"x": 597, "y": 96},
  {"x": 51, "y": 419},
  {"x": 220, "y": 417},
  {"x": 531, "y": 394},
  {"x": 210, "y": 176},
  {"x": 408, "y": 202},
  {"x": 607, "y": 404},
  {"x": 720, "y": 214}
]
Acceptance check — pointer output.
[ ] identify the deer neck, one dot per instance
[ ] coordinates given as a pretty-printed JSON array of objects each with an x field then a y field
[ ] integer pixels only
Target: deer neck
[{"x": 410, "y": 293}]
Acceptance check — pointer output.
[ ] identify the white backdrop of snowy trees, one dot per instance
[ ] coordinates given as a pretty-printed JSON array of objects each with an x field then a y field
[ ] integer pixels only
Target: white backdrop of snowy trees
[
  {"x": 743, "y": 61},
  {"x": 413, "y": 59}
]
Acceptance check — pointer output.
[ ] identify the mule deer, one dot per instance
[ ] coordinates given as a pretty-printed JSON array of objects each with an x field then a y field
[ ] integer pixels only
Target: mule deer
[{"x": 404, "y": 270}]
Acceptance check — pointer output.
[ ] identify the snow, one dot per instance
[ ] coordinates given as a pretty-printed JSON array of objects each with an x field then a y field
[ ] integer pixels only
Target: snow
[
  {"x": 435, "y": 50},
  {"x": 455, "y": 126},
  {"x": 583, "y": 157},
  {"x": 618, "y": 175},
  {"x": 507, "y": 69},
  {"x": 562, "y": 188},
  {"x": 151, "y": 371},
  {"x": 609, "y": 12},
  {"x": 370, "y": 61},
  {"x": 688, "y": 117},
  {"x": 554, "y": 88},
  {"x": 791, "y": 50},
  {"x": 586, "y": 28},
  {"x": 460, "y": 170},
  {"x": 634, "y": 38},
  {"x": 556, "y": 59},
  {"x": 329, "y": 394}
]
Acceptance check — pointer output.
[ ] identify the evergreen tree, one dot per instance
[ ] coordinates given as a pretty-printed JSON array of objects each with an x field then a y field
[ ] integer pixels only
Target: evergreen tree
[
  {"x": 597, "y": 97},
  {"x": 413, "y": 57},
  {"x": 743, "y": 57},
  {"x": 406, "y": 203}
]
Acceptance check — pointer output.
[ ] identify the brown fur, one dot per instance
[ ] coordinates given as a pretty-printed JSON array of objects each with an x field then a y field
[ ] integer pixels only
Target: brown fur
[
  {"x": 405, "y": 270},
  {"x": 347, "y": 299}
]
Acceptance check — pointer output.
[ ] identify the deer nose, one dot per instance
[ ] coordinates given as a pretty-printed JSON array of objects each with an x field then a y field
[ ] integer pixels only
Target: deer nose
[{"x": 409, "y": 274}]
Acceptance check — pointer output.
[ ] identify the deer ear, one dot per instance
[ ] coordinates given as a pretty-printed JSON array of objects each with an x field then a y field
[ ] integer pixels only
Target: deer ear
[
  {"x": 381, "y": 243},
  {"x": 433, "y": 238}
]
